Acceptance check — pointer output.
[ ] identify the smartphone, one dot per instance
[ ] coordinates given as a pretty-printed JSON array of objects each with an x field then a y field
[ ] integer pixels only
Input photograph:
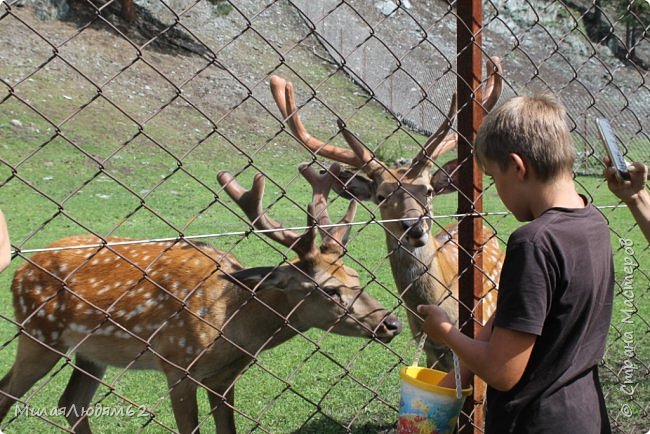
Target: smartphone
[{"x": 613, "y": 151}]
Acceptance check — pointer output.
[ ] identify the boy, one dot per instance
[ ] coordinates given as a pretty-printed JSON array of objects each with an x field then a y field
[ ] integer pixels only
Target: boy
[{"x": 556, "y": 287}]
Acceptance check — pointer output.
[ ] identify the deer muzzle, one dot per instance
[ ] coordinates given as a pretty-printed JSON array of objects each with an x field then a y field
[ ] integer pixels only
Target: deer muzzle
[{"x": 416, "y": 231}]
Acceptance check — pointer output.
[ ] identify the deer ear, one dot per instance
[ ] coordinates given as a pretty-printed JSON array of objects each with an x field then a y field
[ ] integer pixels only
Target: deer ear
[
  {"x": 353, "y": 185},
  {"x": 445, "y": 179},
  {"x": 260, "y": 278}
]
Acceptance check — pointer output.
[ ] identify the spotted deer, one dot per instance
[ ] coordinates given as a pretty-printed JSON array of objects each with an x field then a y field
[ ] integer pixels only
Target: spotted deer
[
  {"x": 188, "y": 310},
  {"x": 425, "y": 268}
]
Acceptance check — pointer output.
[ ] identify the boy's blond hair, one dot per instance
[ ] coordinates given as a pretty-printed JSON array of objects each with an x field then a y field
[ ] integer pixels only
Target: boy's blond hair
[{"x": 535, "y": 128}]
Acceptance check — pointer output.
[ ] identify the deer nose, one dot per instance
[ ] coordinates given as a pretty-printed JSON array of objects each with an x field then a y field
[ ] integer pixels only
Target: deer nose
[
  {"x": 413, "y": 228},
  {"x": 388, "y": 329},
  {"x": 393, "y": 324}
]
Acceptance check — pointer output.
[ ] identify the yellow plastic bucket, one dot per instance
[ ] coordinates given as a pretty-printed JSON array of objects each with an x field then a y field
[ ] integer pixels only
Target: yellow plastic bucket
[{"x": 425, "y": 407}]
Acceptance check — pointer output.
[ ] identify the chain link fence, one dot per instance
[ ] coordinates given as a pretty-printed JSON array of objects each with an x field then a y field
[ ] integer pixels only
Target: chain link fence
[{"x": 115, "y": 124}]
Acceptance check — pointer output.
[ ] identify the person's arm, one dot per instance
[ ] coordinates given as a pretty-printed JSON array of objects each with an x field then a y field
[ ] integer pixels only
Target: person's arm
[
  {"x": 632, "y": 192},
  {"x": 449, "y": 380},
  {"x": 5, "y": 244},
  {"x": 500, "y": 361}
]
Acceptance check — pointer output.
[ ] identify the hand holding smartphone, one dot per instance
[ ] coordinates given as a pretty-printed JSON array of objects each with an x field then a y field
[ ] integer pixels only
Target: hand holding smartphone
[{"x": 612, "y": 149}]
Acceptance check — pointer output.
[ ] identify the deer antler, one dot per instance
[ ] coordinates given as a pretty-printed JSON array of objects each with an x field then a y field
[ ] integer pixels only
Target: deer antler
[
  {"x": 493, "y": 88},
  {"x": 359, "y": 156},
  {"x": 333, "y": 238},
  {"x": 494, "y": 85},
  {"x": 250, "y": 201},
  {"x": 285, "y": 100},
  {"x": 432, "y": 149}
]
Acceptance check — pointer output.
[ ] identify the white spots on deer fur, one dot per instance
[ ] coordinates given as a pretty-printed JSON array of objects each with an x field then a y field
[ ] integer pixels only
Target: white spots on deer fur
[
  {"x": 139, "y": 309},
  {"x": 181, "y": 342},
  {"x": 166, "y": 277},
  {"x": 196, "y": 262},
  {"x": 117, "y": 284},
  {"x": 51, "y": 318},
  {"x": 38, "y": 334},
  {"x": 122, "y": 334},
  {"x": 63, "y": 267},
  {"x": 145, "y": 258},
  {"x": 104, "y": 290},
  {"x": 108, "y": 260},
  {"x": 203, "y": 311},
  {"x": 23, "y": 305},
  {"x": 189, "y": 349},
  {"x": 120, "y": 313},
  {"x": 38, "y": 288},
  {"x": 94, "y": 261},
  {"x": 78, "y": 328},
  {"x": 171, "y": 339},
  {"x": 92, "y": 281},
  {"x": 40, "y": 313},
  {"x": 137, "y": 329},
  {"x": 54, "y": 335}
]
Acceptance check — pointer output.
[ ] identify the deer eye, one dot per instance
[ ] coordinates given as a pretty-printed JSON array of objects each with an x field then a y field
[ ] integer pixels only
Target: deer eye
[
  {"x": 429, "y": 192},
  {"x": 332, "y": 291},
  {"x": 380, "y": 198}
]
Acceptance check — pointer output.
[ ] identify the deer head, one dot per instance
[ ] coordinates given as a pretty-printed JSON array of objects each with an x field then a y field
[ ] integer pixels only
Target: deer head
[
  {"x": 404, "y": 194},
  {"x": 318, "y": 273}
]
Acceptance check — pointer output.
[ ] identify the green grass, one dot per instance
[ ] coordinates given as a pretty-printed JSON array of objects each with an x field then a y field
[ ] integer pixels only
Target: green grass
[{"x": 51, "y": 187}]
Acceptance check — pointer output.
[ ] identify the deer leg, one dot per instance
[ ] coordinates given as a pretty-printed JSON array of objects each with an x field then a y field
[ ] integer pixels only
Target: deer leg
[
  {"x": 221, "y": 405},
  {"x": 183, "y": 396},
  {"x": 80, "y": 390},
  {"x": 33, "y": 361}
]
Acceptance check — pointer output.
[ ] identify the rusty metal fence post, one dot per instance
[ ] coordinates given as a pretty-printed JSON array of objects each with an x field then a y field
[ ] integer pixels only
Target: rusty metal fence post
[{"x": 470, "y": 114}]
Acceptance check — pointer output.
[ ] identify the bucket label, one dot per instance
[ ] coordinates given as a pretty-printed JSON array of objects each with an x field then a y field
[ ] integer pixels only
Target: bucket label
[{"x": 423, "y": 412}]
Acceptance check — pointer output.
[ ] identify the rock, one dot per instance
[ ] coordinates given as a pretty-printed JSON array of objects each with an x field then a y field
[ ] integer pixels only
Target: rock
[
  {"x": 386, "y": 7},
  {"x": 48, "y": 10},
  {"x": 16, "y": 123}
]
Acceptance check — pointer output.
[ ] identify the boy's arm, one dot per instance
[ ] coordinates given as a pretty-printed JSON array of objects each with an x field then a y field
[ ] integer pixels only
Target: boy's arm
[
  {"x": 500, "y": 361},
  {"x": 449, "y": 380}
]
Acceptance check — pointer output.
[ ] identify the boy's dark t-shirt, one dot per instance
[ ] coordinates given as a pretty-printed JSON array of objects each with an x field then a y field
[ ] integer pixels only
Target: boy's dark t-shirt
[{"x": 556, "y": 283}]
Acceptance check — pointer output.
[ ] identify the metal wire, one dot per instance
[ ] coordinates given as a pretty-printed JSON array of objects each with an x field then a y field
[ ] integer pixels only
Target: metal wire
[{"x": 146, "y": 112}]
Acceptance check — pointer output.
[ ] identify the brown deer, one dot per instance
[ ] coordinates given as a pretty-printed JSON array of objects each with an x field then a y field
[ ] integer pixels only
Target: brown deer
[
  {"x": 425, "y": 268},
  {"x": 188, "y": 310}
]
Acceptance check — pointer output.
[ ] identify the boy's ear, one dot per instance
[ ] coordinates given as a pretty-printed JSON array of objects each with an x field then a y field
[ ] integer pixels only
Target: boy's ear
[{"x": 519, "y": 165}]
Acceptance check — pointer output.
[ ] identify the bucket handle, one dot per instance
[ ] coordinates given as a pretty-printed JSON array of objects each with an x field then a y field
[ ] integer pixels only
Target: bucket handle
[{"x": 457, "y": 379}]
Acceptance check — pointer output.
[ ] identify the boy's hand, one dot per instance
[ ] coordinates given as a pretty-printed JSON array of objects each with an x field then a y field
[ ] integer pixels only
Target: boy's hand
[
  {"x": 436, "y": 322},
  {"x": 627, "y": 191}
]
